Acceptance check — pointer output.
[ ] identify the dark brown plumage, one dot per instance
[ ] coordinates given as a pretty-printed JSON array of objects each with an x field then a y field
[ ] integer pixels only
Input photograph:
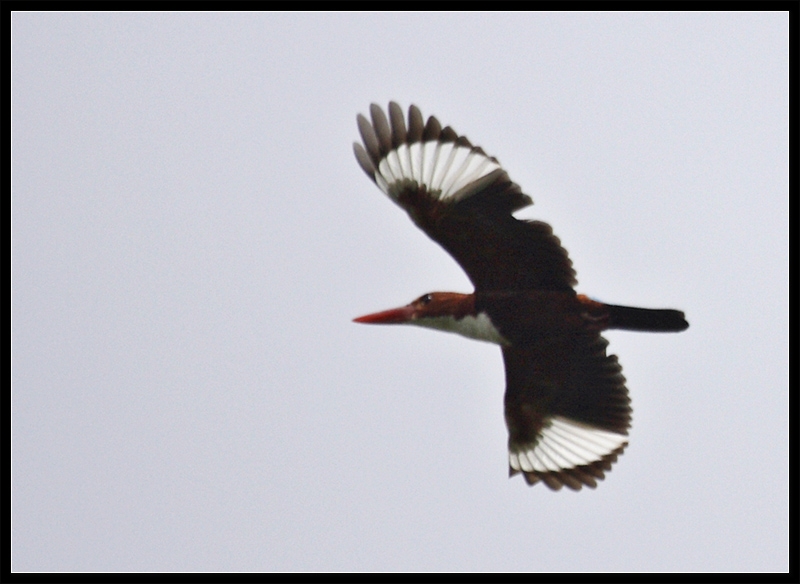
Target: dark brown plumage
[{"x": 566, "y": 404}]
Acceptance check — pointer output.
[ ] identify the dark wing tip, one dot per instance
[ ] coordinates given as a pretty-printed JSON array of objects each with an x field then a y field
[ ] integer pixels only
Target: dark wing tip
[
  {"x": 370, "y": 138},
  {"x": 364, "y": 160},
  {"x": 382, "y": 130},
  {"x": 415, "y": 124},
  {"x": 399, "y": 132}
]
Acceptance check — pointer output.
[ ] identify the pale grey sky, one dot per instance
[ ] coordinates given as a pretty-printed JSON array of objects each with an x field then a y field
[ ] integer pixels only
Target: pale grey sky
[{"x": 192, "y": 237}]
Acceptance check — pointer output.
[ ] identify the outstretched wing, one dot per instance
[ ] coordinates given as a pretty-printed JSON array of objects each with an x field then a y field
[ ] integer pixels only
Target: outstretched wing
[
  {"x": 463, "y": 200},
  {"x": 567, "y": 410}
]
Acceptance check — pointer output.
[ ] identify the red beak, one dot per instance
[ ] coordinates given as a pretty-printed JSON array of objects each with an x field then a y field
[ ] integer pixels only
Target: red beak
[{"x": 393, "y": 316}]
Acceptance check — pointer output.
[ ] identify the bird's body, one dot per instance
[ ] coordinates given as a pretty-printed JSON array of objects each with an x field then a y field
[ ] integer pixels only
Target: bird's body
[{"x": 566, "y": 404}]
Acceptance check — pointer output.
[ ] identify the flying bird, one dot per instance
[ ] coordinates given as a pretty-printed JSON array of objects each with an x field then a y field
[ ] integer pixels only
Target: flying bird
[{"x": 566, "y": 404}]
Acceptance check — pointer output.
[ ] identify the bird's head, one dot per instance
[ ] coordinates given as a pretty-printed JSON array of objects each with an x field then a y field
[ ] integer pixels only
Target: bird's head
[
  {"x": 446, "y": 311},
  {"x": 431, "y": 305}
]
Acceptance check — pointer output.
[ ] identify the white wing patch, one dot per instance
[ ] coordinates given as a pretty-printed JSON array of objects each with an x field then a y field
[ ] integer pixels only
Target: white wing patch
[
  {"x": 445, "y": 169},
  {"x": 421, "y": 155},
  {"x": 564, "y": 444}
]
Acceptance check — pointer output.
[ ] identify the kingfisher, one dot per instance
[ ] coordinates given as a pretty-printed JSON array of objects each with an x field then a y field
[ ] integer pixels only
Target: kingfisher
[{"x": 566, "y": 404}]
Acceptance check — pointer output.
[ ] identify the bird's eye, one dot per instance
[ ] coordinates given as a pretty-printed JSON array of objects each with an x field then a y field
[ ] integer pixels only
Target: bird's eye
[{"x": 426, "y": 299}]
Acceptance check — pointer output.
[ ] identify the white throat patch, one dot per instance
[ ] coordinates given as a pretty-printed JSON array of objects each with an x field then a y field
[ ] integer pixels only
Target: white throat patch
[{"x": 474, "y": 327}]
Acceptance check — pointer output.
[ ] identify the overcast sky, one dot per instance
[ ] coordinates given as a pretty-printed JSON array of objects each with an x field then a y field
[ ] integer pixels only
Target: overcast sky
[{"x": 192, "y": 236}]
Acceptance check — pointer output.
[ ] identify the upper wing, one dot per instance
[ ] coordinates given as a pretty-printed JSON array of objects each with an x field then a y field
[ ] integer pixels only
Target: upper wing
[
  {"x": 463, "y": 200},
  {"x": 567, "y": 410}
]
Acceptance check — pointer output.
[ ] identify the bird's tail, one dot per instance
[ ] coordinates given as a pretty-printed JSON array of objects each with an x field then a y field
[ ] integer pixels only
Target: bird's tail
[{"x": 646, "y": 319}]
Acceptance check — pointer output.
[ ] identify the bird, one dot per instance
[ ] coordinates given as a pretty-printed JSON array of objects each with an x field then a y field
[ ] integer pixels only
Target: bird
[{"x": 566, "y": 404}]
